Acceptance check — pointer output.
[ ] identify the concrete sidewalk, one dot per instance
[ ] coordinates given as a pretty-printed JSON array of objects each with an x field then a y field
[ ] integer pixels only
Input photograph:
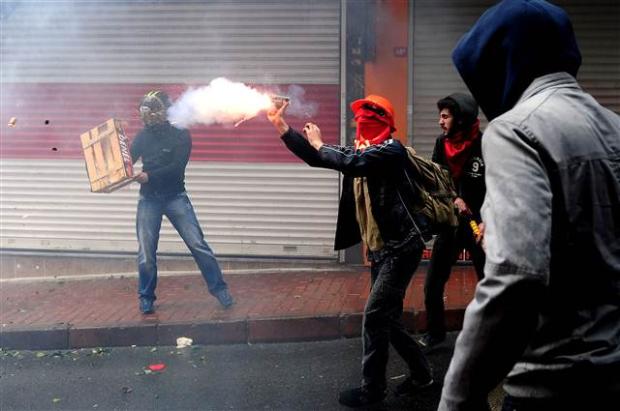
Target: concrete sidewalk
[{"x": 270, "y": 307}]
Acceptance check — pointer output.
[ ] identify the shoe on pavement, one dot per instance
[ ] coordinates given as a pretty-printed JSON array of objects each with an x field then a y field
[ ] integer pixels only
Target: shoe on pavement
[
  {"x": 224, "y": 297},
  {"x": 429, "y": 341},
  {"x": 360, "y": 397},
  {"x": 411, "y": 386},
  {"x": 146, "y": 306}
]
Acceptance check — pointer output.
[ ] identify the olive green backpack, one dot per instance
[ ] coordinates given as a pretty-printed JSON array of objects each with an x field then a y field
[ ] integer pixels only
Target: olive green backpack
[{"x": 436, "y": 191}]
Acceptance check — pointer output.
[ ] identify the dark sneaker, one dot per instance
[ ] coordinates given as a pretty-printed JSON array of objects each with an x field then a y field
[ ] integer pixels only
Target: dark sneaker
[
  {"x": 359, "y": 397},
  {"x": 146, "y": 306},
  {"x": 411, "y": 386},
  {"x": 428, "y": 341},
  {"x": 224, "y": 297}
]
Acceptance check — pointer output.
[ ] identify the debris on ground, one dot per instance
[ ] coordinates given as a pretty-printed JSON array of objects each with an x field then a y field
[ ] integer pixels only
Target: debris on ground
[
  {"x": 13, "y": 354},
  {"x": 99, "y": 351},
  {"x": 398, "y": 377},
  {"x": 183, "y": 342},
  {"x": 157, "y": 367}
]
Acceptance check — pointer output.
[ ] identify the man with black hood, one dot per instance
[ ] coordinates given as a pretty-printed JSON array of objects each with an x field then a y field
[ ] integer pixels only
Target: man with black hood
[
  {"x": 165, "y": 151},
  {"x": 547, "y": 313},
  {"x": 458, "y": 149},
  {"x": 375, "y": 207}
]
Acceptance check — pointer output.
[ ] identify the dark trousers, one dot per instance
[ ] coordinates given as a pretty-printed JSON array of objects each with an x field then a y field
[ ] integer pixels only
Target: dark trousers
[
  {"x": 382, "y": 325},
  {"x": 446, "y": 248},
  {"x": 586, "y": 402}
]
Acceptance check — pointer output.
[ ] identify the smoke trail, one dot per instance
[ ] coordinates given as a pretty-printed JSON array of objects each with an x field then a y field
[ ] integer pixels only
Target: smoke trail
[
  {"x": 299, "y": 106},
  {"x": 227, "y": 102},
  {"x": 222, "y": 101}
]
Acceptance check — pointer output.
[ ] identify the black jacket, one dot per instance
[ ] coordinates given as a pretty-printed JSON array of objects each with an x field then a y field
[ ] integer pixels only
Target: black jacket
[
  {"x": 386, "y": 168},
  {"x": 470, "y": 187},
  {"x": 165, "y": 152}
]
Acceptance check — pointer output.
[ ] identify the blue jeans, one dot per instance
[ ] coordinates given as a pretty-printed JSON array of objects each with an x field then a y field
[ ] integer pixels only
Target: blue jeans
[{"x": 179, "y": 210}]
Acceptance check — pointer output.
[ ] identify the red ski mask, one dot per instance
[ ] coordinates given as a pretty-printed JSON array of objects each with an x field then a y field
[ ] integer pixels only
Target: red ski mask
[{"x": 375, "y": 121}]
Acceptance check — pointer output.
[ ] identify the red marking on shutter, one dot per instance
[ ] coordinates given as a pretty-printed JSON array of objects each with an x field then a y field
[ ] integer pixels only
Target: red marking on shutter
[{"x": 51, "y": 116}]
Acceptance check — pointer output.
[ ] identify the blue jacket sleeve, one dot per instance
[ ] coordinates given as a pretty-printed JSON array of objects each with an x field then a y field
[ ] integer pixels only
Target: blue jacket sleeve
[
  {"x": 376, "y": 159},
  {"x": 299, "y": 146}
]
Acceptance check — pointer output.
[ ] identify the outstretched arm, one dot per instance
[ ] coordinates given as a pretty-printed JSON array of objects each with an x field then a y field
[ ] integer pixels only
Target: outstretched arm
[
  {"x": 377, "y": 159},
  {"x": 293, "y": 140}
]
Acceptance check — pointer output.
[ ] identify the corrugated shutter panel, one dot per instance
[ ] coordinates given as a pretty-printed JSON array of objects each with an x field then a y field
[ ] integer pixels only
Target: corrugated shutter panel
[
  {"x": 245, "y": 209},
  {"x": 172, "y": 41},
  {"x": 252, "y": 196},
  {"x": 438, "y": 24},
  {"x": 597, "y": 25}
]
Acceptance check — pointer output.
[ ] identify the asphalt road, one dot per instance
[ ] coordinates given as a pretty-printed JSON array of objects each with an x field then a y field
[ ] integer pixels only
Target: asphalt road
[{"x": 295, "y": 376}]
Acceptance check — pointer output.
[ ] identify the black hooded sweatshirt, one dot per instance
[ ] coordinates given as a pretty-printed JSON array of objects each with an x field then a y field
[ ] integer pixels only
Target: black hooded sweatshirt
[{"x": 470, "y": 187}]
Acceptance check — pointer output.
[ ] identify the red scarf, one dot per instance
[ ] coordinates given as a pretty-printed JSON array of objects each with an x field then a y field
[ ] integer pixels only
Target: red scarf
[
  {"x": 371, "y": 128},
  {"x": 457, "y": 147}
]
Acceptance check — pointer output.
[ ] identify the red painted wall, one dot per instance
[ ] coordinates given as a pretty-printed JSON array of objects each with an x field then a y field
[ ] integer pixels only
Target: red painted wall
[{"x": 51, "y": 117}]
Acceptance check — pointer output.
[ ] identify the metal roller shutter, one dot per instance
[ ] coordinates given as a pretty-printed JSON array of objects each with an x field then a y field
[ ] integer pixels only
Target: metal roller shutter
[
  {"x": 249, "y": 209},
  {"x": 172, "y": 41},
  {"x": 68, "y": 66},
  {"x": 438, "y": 24},
  {"x": 597, "y": 25}
]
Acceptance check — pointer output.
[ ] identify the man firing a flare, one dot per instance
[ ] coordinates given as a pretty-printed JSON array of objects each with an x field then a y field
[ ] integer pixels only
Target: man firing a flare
[{"x": 374, "y": 209}]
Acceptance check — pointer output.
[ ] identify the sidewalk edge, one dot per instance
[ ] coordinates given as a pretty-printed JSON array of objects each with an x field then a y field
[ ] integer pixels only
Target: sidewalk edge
[{"x": 243, "y": 331}]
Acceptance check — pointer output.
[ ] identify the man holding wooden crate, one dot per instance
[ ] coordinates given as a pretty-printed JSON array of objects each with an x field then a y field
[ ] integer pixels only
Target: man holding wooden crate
[{"x": 165, "y": 151}]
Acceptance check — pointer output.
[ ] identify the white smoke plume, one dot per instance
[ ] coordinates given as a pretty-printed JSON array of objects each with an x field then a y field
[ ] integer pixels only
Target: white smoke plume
[
  {"x": 222, "y": 102},
  {"x": 299, "y": 106},
  {"x": 227, "y": 102}
]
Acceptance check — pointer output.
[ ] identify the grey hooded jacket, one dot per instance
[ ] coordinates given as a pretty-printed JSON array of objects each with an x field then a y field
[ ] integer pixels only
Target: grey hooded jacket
[{"x": 548, "y": 308}]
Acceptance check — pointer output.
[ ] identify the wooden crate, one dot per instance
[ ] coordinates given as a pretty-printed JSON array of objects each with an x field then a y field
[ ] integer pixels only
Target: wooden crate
[{"x": 107, "y": 156}]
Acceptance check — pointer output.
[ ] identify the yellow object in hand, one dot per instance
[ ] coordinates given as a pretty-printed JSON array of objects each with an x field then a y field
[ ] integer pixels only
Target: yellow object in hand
[{"x": 474, "y": 227}]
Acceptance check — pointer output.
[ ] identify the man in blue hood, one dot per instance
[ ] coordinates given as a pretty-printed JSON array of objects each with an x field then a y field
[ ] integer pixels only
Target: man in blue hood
[{"x": 546, "y": 316}]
